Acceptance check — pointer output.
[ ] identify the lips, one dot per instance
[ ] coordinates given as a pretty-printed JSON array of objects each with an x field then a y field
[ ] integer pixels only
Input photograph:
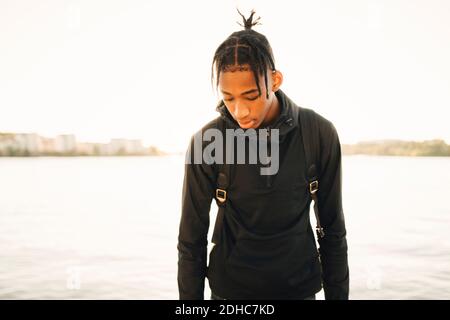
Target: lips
[{"x": 246, "y": 124}]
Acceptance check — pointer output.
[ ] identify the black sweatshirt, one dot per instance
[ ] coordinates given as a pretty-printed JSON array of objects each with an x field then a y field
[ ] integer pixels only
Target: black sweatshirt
[{"x": 267, "y": 248}]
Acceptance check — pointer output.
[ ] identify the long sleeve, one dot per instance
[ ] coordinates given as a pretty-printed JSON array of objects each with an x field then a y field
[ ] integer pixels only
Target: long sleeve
[
  {"x": 197, "y": 195},
  {"x": 333, "y": 247}
]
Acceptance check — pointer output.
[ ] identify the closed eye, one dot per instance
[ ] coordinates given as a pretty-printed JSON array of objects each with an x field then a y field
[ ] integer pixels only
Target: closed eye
[{"x": 250, "y": 99}]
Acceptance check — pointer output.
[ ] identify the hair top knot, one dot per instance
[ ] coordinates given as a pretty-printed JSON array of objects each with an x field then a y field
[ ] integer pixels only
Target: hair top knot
[{"x": 249, "y": 23}]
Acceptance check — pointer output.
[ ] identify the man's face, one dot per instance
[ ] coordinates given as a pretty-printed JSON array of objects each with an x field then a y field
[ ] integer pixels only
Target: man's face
[{"x": 242, "y": 99}]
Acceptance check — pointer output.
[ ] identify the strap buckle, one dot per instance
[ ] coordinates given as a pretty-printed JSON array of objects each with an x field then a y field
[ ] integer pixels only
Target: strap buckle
[
  {"x": 313, "y": 186},
  {"x": 320, "y": 232},
  {"x": 221, "y": 195}
]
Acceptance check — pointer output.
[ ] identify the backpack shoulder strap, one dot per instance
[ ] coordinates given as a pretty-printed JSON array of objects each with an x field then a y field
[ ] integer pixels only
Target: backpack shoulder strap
[
  {"x": 222, "y": 184},
  {"x": 311, "y": 142}
]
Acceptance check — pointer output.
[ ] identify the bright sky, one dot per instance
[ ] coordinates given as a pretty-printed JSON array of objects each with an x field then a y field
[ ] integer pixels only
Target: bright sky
[{"x": 106, "y": 69}]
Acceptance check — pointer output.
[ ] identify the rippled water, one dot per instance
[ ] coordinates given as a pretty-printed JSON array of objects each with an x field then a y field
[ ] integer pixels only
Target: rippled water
[{"x": 100, "y": 228}]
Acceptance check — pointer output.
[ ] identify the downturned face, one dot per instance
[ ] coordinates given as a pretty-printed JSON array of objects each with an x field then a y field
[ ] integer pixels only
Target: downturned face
[{"x": 242, "y": 99}]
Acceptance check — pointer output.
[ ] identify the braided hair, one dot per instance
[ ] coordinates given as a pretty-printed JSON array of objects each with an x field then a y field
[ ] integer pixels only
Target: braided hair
[{"x": 245, "y": 47}]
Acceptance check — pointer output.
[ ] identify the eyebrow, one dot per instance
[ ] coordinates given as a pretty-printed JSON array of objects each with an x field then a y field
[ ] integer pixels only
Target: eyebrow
[{"x": 243, "y": 93}]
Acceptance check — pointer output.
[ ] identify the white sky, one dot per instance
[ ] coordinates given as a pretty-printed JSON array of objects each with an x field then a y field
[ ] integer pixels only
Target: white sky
[{"x": 141, "y": 69}]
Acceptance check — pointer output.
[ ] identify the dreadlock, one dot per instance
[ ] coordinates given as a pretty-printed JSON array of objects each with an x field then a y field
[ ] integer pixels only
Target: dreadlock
[{"x": 244, "y": 47}]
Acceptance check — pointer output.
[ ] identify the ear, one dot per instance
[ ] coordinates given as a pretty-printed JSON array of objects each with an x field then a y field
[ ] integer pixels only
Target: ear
[{"x": 277, "y": 80}]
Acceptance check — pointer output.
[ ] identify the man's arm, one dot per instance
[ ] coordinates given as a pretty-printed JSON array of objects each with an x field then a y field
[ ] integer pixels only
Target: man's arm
[
  {"x": 333, "y": 247},
  {"x": 197, "y": 195}
]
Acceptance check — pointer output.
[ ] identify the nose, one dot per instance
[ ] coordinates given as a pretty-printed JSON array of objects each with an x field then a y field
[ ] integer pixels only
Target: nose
[{"x": 240, "y": 111}]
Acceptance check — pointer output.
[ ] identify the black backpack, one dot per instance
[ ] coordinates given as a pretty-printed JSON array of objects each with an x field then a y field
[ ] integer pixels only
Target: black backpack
[{"x": 310, "y": 133}]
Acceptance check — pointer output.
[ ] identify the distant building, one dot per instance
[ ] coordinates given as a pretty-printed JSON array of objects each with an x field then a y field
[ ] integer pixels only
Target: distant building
[
  {"x": 7, "y": 142},
  {"x": 48, "y": 145},
  {"x": 87, "y": 148},
  {"x": 28, "y": 142},
  {"x": 135, "y": 146},
  {"x": 31, "y": 144},
  {"x": 126, "y": 146},
  {"x": 104, "y": 149},
  {"x": 65, "y": 143}
]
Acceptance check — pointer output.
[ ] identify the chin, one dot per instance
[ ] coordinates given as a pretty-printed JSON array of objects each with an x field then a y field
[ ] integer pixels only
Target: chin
[{"x": 256, "y": 125}]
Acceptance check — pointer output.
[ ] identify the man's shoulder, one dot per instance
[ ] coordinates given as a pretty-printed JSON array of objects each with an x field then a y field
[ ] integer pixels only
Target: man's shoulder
[
  {"x": 324, "y": 124},
  {"x": 328, "y": 134}
]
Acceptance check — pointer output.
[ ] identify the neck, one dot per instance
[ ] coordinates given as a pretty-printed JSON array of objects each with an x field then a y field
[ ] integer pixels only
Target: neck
[{"x": 274, "y": 111}]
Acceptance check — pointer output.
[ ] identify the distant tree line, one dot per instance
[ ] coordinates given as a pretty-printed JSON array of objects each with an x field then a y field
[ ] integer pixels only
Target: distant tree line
[{"x": 434, "y": 148}]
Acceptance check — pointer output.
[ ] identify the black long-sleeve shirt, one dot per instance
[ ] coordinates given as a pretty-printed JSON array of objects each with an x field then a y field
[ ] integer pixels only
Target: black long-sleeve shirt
[{"x": 267, "y": 248}]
